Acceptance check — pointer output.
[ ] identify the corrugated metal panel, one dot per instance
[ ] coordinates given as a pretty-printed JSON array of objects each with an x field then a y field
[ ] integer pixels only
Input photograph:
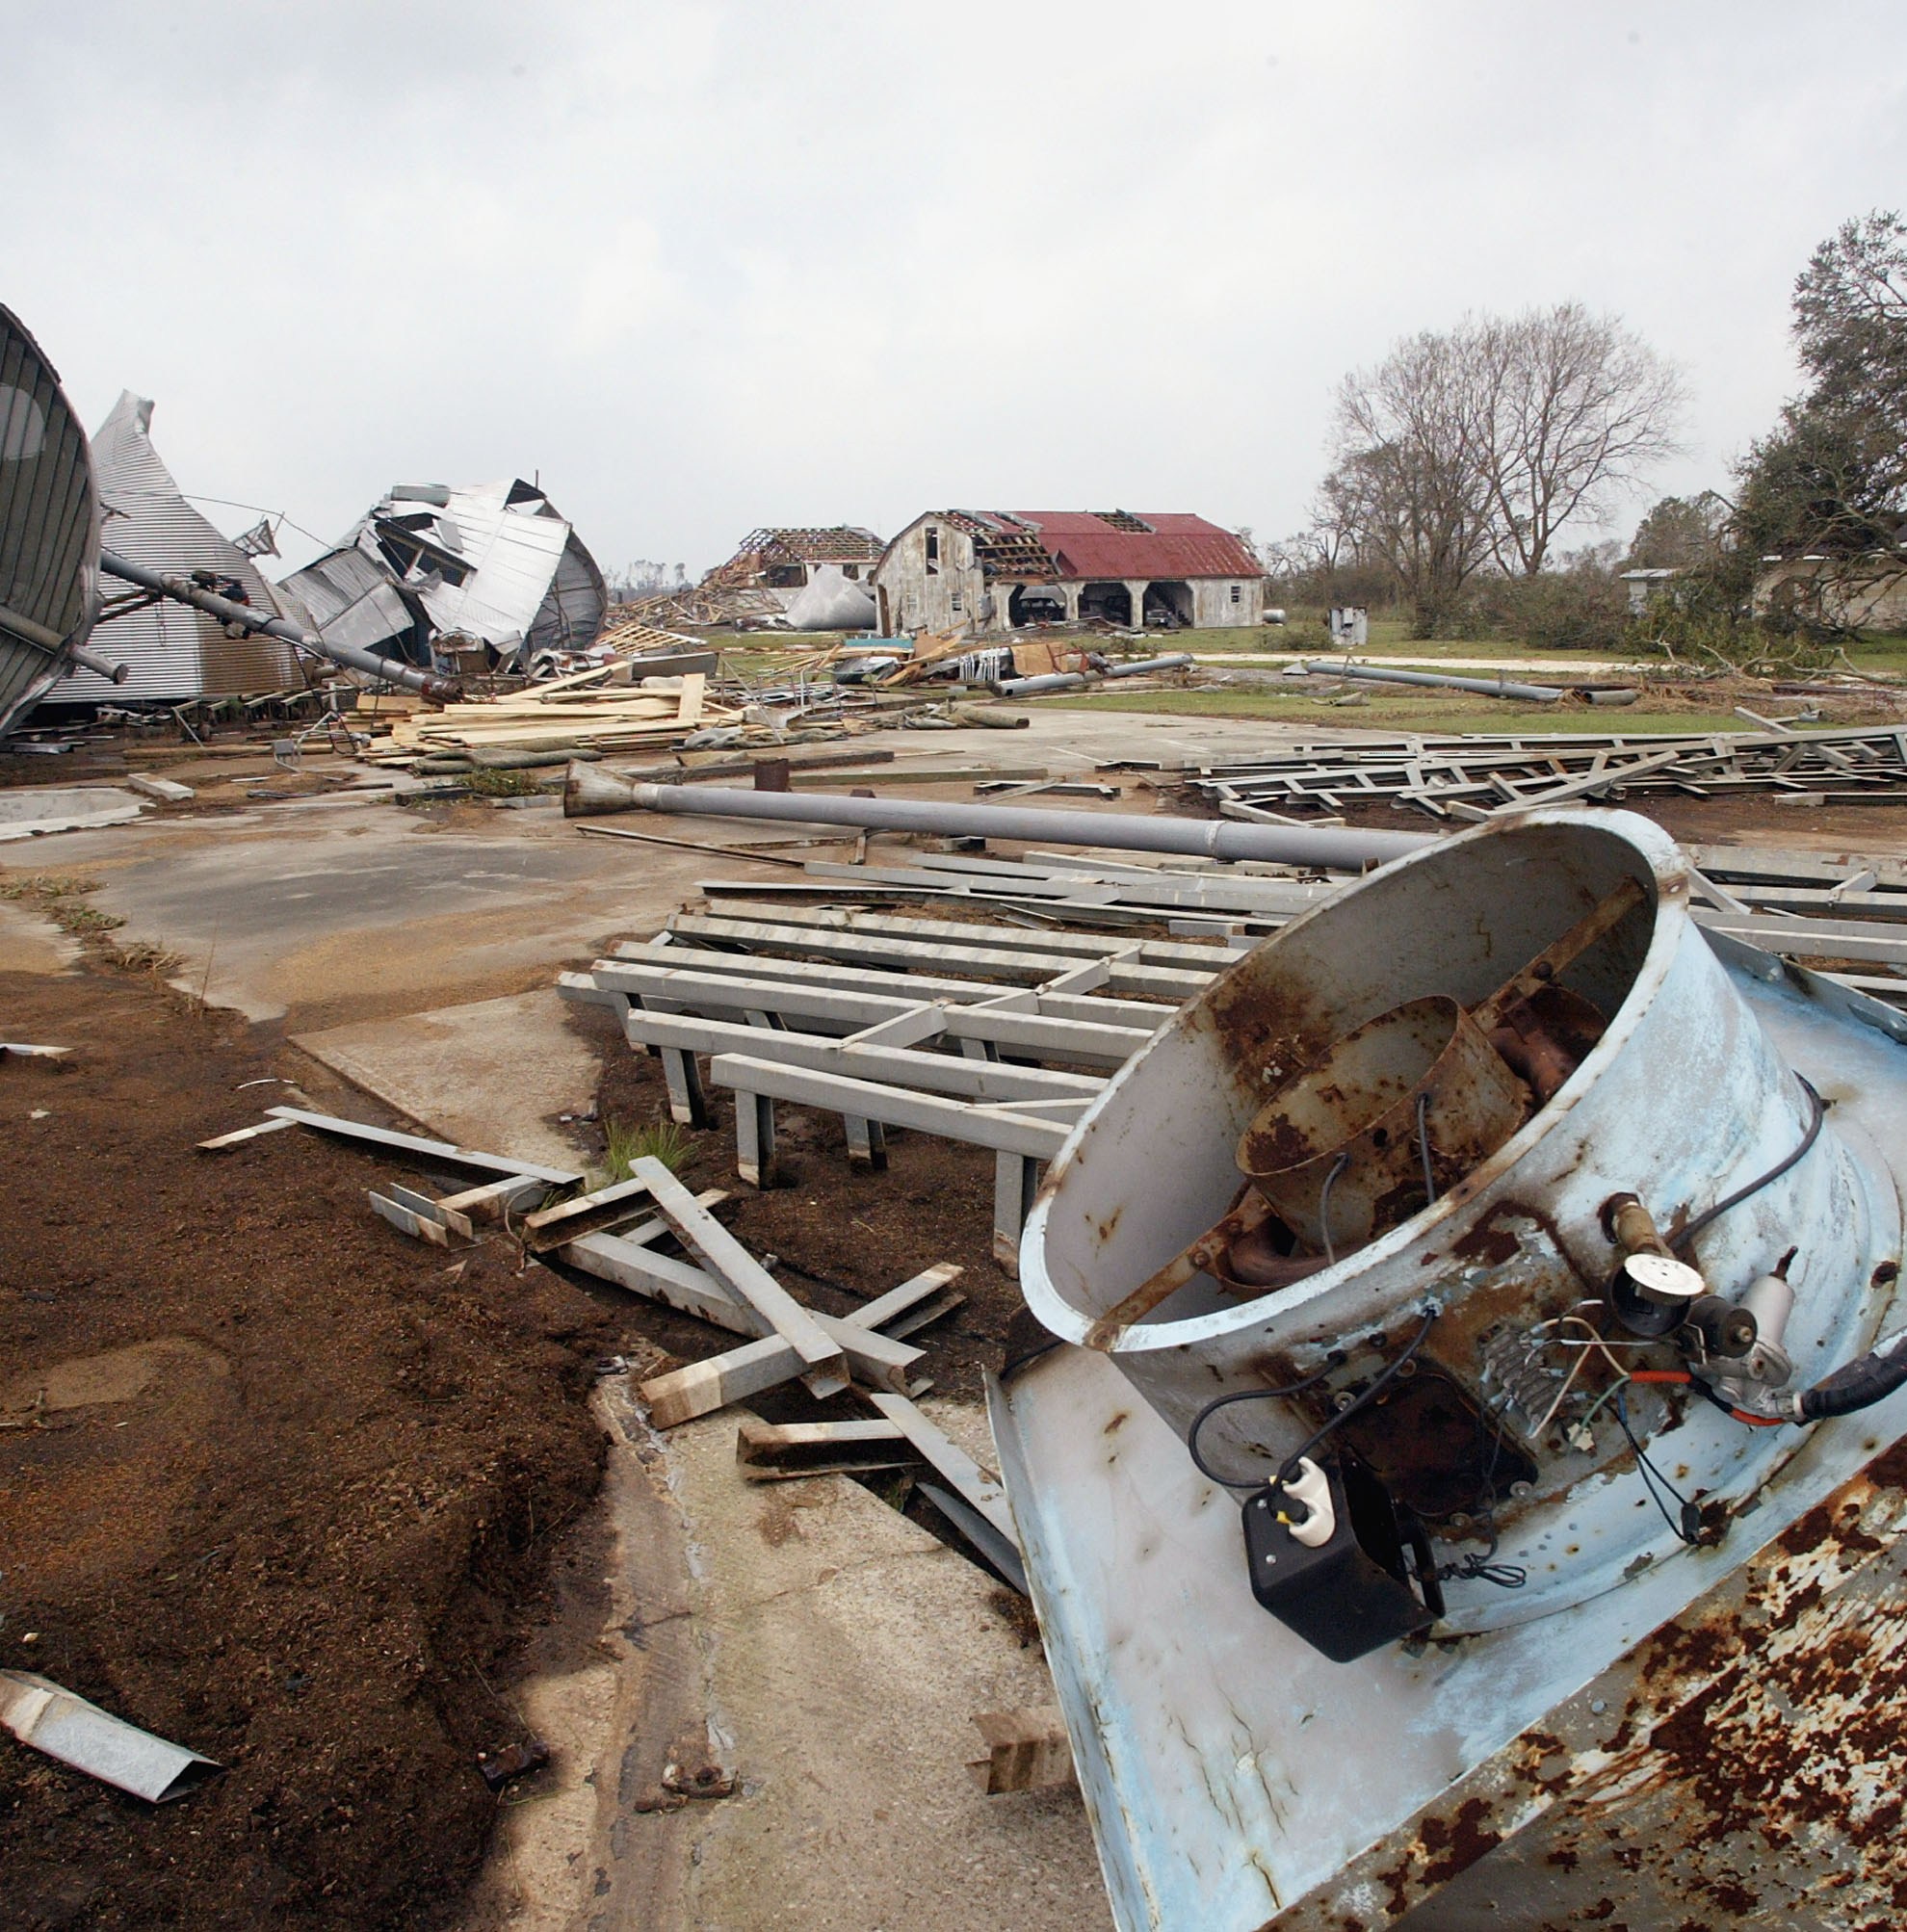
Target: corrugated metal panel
[
  {"x": 49, "y": 522},
  {"x": 572, "y": 613},
  {"x": 512, "y": 554},
  {"x": 171, "y": 651},
  {"x": 351, "y": 600},
  {"x": 1176, "y": 546}
]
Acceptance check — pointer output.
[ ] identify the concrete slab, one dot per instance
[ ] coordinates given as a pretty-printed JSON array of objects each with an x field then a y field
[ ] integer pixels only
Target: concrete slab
[
  {"x": 493, "y": 1074},
  {"x": 32, "y": 811},
  {"x": 331, "y": 916},
  {"x": 327, "y": 912},
  {"x": 31, "y": 944},
  {"x": 839, "y": 1653}
]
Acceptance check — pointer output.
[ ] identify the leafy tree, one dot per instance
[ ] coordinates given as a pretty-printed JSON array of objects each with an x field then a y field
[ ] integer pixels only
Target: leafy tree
[
  {"x": 1680, "y": 533},
  {"x": 1832, "y": 476}
]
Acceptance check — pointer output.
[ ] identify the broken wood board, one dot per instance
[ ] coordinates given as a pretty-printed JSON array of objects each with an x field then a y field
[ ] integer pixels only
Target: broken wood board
[
  {"x": 778, "y": 1452},
  {"x": 1026, "y": 1750},
  {"x": 827, "y": 1368}
]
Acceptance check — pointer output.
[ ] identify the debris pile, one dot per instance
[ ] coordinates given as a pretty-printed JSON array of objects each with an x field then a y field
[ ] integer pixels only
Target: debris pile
[
  {"x": 485, "y": 575},
  {"x": 803, "y": 579},
  {"x": 583, "y": 710},
  {"x": 1475, "y": 777},
  {"x": 651, "y": 1235}
]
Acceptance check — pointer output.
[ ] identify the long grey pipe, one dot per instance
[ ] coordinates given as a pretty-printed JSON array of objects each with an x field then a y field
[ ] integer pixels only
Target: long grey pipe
[
  {"x": 1538, "y": 694},
  {"x": 228, "y": 610},
  {"x": 1324, "y": 847}
]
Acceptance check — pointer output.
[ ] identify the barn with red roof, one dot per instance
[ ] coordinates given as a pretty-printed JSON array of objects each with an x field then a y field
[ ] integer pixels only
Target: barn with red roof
[{"x": 994, "y": 571}]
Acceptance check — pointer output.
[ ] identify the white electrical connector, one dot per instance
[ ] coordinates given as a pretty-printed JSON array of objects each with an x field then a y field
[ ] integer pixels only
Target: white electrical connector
[{"x": 1313, "y": 1488}]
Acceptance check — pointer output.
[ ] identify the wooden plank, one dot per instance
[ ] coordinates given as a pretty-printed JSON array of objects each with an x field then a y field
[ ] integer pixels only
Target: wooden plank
[
  {"x": 1004, "y": 1131},
  {"x": 407, "y": 1220},
  {"x": 1599, "y": 778},
  {"x": 1026, "y": 1750},
  {"x": 974, "y": 1485},
  {"x": 897, "y": 1302},
  {"x": 547, "y": 1225},
  {"x": 875, "y": 1359},
  {"x": 776, "y": 1451},
  {"x": 493, "y": 1201},
  {"x": 896, "y": 1066},
  {"x": 701, "y": 1387},
  {"x": 441, "y": 1151},
  {"x": 826, "y": 1368}
]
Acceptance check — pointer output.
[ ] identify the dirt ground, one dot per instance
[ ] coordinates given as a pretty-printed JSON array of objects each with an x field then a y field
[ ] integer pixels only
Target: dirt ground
[
  {"x": 286, "y": 1488},
  {"x": 279, "y": 1485}
]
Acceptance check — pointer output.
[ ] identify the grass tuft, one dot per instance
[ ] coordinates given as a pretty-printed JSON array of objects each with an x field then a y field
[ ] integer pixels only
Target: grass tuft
[{"x": 627, "y": 1141}]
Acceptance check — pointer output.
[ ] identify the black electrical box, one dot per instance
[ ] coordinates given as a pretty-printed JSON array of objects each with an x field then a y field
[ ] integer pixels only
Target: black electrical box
[{"x": 1372, "y": 1582}]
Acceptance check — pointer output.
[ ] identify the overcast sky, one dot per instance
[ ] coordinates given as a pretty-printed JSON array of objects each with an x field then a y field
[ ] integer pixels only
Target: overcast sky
[{"x": 708, "y": 267}]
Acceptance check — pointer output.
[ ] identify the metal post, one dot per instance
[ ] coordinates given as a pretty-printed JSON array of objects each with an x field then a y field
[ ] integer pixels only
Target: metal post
[{"x": 228, "y": 610}]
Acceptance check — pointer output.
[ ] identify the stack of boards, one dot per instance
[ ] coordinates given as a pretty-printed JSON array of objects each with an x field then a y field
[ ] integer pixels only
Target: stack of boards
[{"x": 582, "y": 710}]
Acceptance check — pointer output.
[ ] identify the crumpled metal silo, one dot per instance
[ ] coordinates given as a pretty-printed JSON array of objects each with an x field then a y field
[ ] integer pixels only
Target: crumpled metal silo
[{"x": 1335, "y": 1504}]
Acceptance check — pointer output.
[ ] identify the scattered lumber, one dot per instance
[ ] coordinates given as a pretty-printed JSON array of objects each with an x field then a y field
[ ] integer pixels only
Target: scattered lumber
[
  {"x": 827, "y": 1366},
  {"x": 1474, "y": 776}
]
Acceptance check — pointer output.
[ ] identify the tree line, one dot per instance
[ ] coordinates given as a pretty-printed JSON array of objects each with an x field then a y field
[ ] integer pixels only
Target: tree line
[{"x": 1462, "y": 460}]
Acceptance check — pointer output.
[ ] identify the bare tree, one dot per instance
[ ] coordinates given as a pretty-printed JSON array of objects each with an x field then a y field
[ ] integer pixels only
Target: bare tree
[
  {"x": 1407, "y": 487},
  {"x": 1474, "y": 449},
  {"x": 1570, "y": 411}
]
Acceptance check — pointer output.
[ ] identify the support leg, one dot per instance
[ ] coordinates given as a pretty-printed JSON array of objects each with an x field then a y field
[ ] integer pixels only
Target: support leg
[
  {"x": 754, "y": 1138},
  {"x": 867, "y": 1143},
  {"x": 687, "y": 1105},
  {"x": 1015, "y": 1180}
]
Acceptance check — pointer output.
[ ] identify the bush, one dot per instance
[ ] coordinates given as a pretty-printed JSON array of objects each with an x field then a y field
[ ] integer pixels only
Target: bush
[{"x": 1556, "y": 611}]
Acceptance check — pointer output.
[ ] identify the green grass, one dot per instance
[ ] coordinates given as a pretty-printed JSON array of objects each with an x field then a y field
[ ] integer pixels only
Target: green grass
[
  {"x": 1404, "y": 714},
  {"x": 1886, "y": 654},
  {"x": 1390, "y": 638},
  {"x": 628, "y": 1142}
]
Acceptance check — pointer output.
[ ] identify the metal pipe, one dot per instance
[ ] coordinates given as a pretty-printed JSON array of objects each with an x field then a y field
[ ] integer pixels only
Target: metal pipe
[
  {"x": 1323, "y": 847},
  {"x": 1538, "y": 694},
  {"x": 92, "y": 660},
  {"x": 50, "y": 640},
  {"x": 1176, "y": 661},
  {"x": 1029, "y": 687},
  {"x": 183, "y": 590}
]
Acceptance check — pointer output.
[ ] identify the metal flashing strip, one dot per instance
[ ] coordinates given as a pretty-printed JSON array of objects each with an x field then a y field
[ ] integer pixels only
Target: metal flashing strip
[{"x": 65, "y": 1726}]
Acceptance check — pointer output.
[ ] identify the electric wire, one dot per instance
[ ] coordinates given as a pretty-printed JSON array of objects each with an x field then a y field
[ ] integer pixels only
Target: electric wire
[
  {"x": 1332, "y": 1361},
  {"x": 1290, "y": 1467},
  {"x": 1774, "y": 1173},
  {"x": 1423, "y": 1145},
  {"x": 1337, "y": 1167},
  {"x": 1688, "y": 1526}
]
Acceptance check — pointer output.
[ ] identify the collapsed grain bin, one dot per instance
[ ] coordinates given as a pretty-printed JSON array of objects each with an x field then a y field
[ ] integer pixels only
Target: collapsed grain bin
[{"x": 1474, "y": 1296}]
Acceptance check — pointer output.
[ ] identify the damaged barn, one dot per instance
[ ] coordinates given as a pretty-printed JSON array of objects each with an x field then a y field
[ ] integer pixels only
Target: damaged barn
[{"x": 991, "y": 571}]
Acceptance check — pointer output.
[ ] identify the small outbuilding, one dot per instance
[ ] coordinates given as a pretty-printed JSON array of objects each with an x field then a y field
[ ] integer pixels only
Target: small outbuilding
[
  {"x": 1862, "y": 592},
  {"x": 993, "y": 571}
]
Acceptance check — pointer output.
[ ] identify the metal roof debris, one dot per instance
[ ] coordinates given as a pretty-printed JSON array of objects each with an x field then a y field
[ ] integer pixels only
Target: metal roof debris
[
  {"x": 63, "y": 1725},
  {"x": 170, "y": 650},
  {"x": 494, "y": 564}
]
